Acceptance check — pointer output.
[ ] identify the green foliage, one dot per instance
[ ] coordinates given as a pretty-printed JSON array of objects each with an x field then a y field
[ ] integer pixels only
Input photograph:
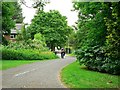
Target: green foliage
[
  {"x": 23, "y": 42},
  {"x": 113, "y": 32},
  {"x": 52, "y": 25},
  {"x": 98, "y": 36},
  {"x": 8, "y": 11},
  {"x": 4, "y": 41},
  {"x": 26, "y": 54},
  {"x": 94, "y": 58},
  {"x": 72, "y": 41},
  {"x": 11, "y": 13},
  {"x": 22, "y": 35},
  {"x": 29, "y": 44},
  {"x": 40, "y": 38},
  {"x": 0, "y": 16},
  {"x": 18, "y": 13},
  {"x": 27, "y": 50}
]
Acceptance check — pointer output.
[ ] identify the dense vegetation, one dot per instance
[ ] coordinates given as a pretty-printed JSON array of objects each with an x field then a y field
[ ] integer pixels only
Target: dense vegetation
[
  {"x": 27, "y": 50},
  {"x": 23, "y": 54},
  {"x": 25, "y": 47},
  {"x": 53, "y": 26},
  {"x": 98, "y": 36},
  {"x": 11, "y": 14}
]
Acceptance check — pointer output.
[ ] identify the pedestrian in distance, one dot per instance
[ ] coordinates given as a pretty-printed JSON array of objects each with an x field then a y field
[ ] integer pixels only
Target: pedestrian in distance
[{"x": 62, "y": 53}]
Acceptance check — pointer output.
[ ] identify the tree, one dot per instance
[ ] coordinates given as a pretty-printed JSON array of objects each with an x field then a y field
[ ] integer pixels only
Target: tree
[
  {"x": 11, "y": 14},
  {"x": 18, "y": 13},
  {"x": 0, "y": 15},
  {"x": 8, "y": 11},
  {"x": 22, "y": 35},
  {"x": 113, "y": 37},
  {"x": 40, "y": 38},
  {"x": 96, "y": 35},
  {"x": 72, "y": 40},
  {"x": 53, "y": 26},
  {"x": 37, "y": 4}
]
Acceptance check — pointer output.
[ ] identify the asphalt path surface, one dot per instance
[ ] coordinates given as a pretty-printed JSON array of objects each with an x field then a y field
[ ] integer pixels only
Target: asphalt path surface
[{"x": 43, "y": 74}]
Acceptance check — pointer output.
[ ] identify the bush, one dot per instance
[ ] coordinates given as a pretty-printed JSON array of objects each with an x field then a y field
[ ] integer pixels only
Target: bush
[
  {"x": 26, "y": 54},
  {"x": 95, "y": 58},
  {"x": 27, "y": 50},
  {"x": 29, "y": 44}
]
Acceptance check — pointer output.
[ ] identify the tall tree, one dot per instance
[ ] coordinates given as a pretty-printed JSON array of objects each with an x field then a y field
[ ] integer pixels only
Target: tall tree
[
  {"x": 53, "y": 26},
  {"x": 18, "y": 13},
  {"x": 98, "y": 29},
  {"x": 0, "y": 15},
  {"x": 8, "y": 11},
  {"x": 11, "y": 14},
  {"x": 113, "y": 36}
]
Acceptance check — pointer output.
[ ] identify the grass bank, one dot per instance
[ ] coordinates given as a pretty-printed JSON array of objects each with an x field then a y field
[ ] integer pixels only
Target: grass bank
[
  {"x": 6, "y": 64},
  {"x": 76, "y": 76}
]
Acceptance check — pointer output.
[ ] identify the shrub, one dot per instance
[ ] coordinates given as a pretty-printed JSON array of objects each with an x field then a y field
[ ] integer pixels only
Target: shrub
[
  {"x": 95, "y": 58},
  {"x": 26, "y": 54},
  {"x": 29, "y": 44}
]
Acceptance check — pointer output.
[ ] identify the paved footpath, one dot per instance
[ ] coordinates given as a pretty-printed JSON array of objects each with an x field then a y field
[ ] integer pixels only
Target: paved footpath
[{"x": 43, "y": 74}]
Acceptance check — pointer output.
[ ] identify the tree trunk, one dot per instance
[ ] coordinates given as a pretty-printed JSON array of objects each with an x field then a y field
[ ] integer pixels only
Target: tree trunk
[{"x": 52, "y": 48}]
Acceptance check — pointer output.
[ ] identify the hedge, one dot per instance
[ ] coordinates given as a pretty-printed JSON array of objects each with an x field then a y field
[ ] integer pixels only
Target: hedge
[
  {"x": 95, "y": 58},
  {"x": 26, "y": 54}
]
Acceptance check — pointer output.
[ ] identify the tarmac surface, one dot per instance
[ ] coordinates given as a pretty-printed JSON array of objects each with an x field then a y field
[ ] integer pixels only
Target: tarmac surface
[{"x": 43, "y": 74}]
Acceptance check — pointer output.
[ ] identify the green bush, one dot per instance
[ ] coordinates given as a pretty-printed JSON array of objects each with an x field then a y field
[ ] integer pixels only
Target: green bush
[
  {"x": 95, "y": 58},
  {"x": 29, "y": 44},
  {"x": 26, "y": 54}
]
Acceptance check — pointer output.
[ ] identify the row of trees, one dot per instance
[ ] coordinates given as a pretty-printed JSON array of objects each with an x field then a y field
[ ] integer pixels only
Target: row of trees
[
  {"x": 11, "y": 13},
  {"x": 27, "y": 45},
  {"x": 52, "y": 25},
  {"x": 97, "y": 41}
]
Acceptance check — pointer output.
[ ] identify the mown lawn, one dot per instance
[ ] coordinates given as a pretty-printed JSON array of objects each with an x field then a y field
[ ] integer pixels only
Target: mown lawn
[
  {"x": 76, "y": 76},
  {"x": 6, "y": 64}
]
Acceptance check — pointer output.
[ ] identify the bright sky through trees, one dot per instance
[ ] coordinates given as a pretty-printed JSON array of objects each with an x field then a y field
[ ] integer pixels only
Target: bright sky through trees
[{"x": 63, "y": 6}]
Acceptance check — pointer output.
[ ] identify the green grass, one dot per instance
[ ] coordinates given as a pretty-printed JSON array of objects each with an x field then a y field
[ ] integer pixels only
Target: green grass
[
  {"x": 76, "y": 76},
  {"x": 6, "y": 64},
  {"x": 71, "y": 54}
]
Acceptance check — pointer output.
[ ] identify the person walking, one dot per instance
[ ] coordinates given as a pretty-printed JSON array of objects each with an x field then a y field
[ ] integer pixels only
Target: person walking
[{"x": 62, "y": 53}]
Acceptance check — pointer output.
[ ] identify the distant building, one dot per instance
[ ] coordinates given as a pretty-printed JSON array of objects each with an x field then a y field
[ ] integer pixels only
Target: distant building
[{"x": 13, "y": 34}]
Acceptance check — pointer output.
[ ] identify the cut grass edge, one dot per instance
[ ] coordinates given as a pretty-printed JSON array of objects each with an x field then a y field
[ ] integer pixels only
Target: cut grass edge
[
  {"x": 100, "y": 85},
  {"x": 5, "y": 64}
]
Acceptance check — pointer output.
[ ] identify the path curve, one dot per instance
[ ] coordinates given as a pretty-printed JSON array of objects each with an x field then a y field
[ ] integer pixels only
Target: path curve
[{"x": 43, "y": 74}]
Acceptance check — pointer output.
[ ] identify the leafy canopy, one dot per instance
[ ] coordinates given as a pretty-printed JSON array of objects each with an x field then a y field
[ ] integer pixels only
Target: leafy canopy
[
  {"x": 52, "y": 25},
  {"x": 98, "y": 36}
]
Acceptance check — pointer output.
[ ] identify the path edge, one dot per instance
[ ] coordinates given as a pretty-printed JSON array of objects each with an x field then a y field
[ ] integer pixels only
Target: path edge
[{"x": 59, "y": 75}]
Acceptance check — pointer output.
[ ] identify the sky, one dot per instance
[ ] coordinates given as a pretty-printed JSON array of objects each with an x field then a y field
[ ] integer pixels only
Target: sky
[{"x": 63, "y": 6}]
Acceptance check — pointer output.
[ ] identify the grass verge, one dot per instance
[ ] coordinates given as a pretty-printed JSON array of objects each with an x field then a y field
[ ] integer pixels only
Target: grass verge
[
  {"x": 76, "y": 76},
  {"x": 6, "y": 64},
  {"x": 71, "y": 55}
]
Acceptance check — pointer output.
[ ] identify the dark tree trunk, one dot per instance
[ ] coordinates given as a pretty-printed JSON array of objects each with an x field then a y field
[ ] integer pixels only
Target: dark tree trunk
[{"x": 52, "y": 48}]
